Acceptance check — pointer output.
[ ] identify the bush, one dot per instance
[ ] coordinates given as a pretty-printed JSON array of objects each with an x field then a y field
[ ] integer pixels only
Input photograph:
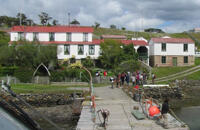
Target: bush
[
  {"x": 4, "y": 71},
  {"x": 24, "y": 74}
]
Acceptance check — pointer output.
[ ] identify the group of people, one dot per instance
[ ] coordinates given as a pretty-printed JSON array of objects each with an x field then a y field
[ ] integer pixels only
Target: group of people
[{"x": 136, "y": 78}]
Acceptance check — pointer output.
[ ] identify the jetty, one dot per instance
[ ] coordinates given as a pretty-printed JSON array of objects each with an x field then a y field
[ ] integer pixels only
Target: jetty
[{"x": 120, "y": 106}]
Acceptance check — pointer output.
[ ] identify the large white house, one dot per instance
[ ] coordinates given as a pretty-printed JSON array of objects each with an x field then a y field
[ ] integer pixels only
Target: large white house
[
  {"x": 72, "y": 41},
  {"x": 171, "y": 51}
]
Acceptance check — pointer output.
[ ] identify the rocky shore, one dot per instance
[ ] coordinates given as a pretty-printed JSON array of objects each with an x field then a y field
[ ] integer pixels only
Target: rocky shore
[{"x": 62, "y": 109}]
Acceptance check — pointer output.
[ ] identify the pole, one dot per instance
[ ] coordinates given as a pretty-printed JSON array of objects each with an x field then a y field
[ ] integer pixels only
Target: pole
[{"x": 69, "y": 19}]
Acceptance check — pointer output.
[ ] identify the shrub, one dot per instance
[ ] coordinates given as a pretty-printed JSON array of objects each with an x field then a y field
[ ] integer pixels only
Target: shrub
[{"x": 24, "y": 74}]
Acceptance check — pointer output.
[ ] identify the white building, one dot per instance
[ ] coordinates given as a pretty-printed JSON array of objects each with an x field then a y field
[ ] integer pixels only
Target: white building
[
  {"x": 72, "y": 41},
  {"x": 171, "y": 52}
]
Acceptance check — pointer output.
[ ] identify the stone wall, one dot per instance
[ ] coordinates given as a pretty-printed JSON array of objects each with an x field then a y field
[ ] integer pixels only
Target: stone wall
[{"x": 156, "y": 61}]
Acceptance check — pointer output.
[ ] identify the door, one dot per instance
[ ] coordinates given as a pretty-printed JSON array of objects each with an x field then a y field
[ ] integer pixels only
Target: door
[{"x": 174, "y": 61}]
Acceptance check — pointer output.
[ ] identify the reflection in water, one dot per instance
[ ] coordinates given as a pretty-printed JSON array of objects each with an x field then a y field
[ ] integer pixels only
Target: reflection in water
[{"x": 191, "y": 116}]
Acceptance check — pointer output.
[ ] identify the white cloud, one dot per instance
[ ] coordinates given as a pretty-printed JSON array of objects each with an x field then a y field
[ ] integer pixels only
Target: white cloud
[{"x": 122, "y": 13}]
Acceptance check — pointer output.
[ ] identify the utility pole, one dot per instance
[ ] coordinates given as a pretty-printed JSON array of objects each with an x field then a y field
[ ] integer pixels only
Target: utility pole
[
  {"x": 20, "y": 19},
  {"x": 69, "y": 19}
]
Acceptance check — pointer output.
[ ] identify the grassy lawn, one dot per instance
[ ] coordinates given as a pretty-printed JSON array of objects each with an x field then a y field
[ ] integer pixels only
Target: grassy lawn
[
  {"x": 165, "y": 71},
  {"x": 35, "y": 88}
]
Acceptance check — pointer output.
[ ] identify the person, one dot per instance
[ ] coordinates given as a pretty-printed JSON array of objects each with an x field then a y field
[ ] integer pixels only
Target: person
[
  {"x": 112, "y": 81},
  {"x": 105, "y": 73},
  {"x": 153, "y": 78},
  {"x": 118, "y": 80},
  {"x": 164, "y": 111},
  {"x": 123, "y": 75},
  {"x": 133, "y": 79},
  {"x": 128, "y": 78},
  {"x": 137, "y": 78}
]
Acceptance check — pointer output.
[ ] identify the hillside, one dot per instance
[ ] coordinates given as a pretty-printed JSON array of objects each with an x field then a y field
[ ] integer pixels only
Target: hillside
[{"x": 100, "y": 31}]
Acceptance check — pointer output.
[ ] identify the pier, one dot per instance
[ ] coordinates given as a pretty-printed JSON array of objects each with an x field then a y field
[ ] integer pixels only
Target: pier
[{"x": 120, "y": 106}]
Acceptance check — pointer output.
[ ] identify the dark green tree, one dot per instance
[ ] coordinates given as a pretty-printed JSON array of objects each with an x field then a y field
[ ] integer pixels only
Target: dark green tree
[
  {"x": 75, "y": 22},
  {"x": 113, "y": 26},
  {"x": 23, "y": 18},
  {"x": 87, "y": 62},
  {"x": 55, "y": 22},
  {"x": 123, "y": 28},
  {"x": 111, "y": 53},
  {"x": 44, "y": 18},
  {"x": 96, "y": 25}
]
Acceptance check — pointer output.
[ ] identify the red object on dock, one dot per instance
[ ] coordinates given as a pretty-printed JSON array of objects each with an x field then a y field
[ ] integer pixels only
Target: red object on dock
[{"x": 153, "y": 110}]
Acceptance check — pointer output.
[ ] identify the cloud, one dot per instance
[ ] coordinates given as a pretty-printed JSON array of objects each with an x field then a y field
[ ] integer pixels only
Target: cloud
[{"x": 132, "y": 14}]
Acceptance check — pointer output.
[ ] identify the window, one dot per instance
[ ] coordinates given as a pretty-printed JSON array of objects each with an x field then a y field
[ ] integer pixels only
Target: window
[
  {"x": 51, "y": 36},
  {"x": 91, "y": 49},
  {"x": 80, "y": 50},
  {"x": 21, "y": 35},
  {"x": 66, "y": 49},
  {"x": 163, "y": 47},
  {"x": 185, "y": 59},
  {"x": 69, "y": 37},
  {"x": 163, "y": 59},
  {"x": 85, "y": 37},
  {"x": 185, "y": 47},
  {"x": 35, "y": 36}
]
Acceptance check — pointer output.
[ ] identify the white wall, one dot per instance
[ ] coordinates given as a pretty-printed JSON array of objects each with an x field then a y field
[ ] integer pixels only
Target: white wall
[
  {"x": 74, "y": 52},
  {"x": 43, "y": 37},
  {"x": 171, "y": 49},
  {"x": 14, "y": 36},
  {"x": 29, "y": 36},
  {"x": 76, "y": 37},
  {"x": 60, "y": 36}
]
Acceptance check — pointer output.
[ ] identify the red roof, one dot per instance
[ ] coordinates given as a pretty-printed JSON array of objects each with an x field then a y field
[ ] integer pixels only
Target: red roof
[
  {"x": 113, "y": 36},
  {"x": 126, "y": 42},
  {"x": 172, "y": 40},
  {"x": 135, "y": 42},
  {"x": 51, "y": 29}
]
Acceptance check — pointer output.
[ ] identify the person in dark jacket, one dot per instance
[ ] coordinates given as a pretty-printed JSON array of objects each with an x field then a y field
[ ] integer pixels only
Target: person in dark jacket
[{"x": 164, "y": 111}]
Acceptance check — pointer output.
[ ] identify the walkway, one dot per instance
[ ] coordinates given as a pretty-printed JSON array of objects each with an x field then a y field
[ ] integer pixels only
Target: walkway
[{"x": 120, "y": 107}]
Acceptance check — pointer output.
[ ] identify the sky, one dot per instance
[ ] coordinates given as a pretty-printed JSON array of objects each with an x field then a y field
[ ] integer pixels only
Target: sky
[{"x": 135, "y": 15}]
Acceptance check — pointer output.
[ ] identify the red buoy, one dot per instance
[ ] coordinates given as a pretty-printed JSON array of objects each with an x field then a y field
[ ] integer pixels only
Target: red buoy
[{"x": 153, "y": 110}]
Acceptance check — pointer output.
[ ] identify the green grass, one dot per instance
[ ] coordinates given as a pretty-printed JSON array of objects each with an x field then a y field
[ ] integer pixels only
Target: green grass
[
  {"x": 165, "y": 71},
  {"x": 107, "y": 31},
  {"x": 35, "y": 88}
]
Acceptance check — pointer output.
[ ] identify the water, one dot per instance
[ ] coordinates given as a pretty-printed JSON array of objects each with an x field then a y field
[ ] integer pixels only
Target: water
[{"x": 190, "y": 115}]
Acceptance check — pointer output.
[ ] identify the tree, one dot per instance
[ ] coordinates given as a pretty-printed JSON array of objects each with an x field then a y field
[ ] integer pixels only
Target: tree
[
  {"x": 28, "y": 55},
  {"x": 96, "y": 25},
  {"x": 55, "y": 22},
  {"x": 44, "y": 18},
  {"x": 129, "y": 53},
  {"x": 113, "y": 26},
  {"x": 88, "y": 62},
  {"x": 123, "y": 28},
  {"x": 75, "y": 22},
  {"x": 111, "y": 53},
  {"x": 23, "y": 18}
]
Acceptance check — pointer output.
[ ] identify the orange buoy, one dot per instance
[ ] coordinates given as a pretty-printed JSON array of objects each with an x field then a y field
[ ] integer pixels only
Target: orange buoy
[
  {"x": 153, "y": 110},
  {"x": 93, "y": 102}
]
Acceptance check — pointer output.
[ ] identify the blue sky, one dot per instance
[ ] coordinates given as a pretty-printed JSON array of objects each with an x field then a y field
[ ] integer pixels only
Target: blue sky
[{"x": 169, "y": 15}]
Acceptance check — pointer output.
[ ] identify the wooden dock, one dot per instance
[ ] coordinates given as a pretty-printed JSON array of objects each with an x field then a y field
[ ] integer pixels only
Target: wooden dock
[{"x": 120, "y": 106}]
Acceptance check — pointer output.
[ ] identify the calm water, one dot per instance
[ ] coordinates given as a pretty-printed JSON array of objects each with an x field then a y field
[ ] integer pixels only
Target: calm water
[{"x": 191, "y": 116}]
